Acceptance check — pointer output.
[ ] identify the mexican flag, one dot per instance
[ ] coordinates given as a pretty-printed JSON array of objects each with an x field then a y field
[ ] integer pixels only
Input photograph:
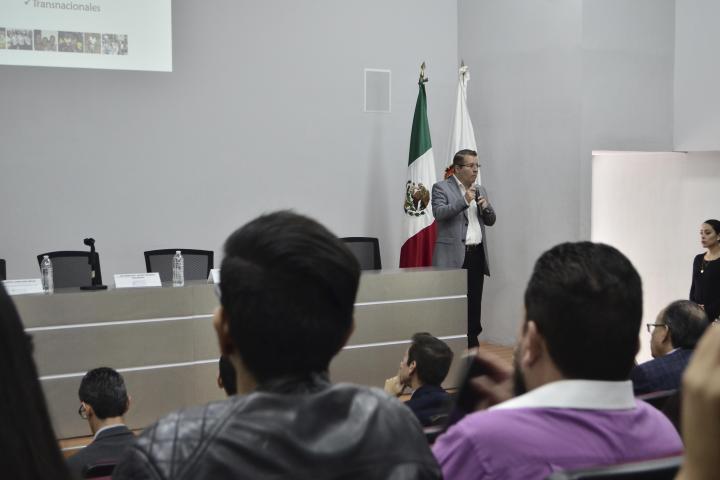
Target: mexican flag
[{"x": 419, "y": 224}]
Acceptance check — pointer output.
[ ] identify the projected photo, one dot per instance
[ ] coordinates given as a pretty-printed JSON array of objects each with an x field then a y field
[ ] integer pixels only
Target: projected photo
[
  {"x": 46, "y": 40},
  {"x": 114, "y": 44},
  {"x": 92, "y": 43},
  {"x": 70, "y": 42},
  {"x": 2, "y": 38},
  {"x": 19, "y": 39}
]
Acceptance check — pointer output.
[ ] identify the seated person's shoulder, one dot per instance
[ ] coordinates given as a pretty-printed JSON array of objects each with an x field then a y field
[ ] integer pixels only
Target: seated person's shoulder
[
  {"x": 177, "y": 435},
  {"x": 374, "y": 398}
]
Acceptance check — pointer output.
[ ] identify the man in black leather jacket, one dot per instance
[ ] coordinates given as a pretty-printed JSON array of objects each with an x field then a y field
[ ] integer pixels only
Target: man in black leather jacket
[{"x": 287, "y": 297}]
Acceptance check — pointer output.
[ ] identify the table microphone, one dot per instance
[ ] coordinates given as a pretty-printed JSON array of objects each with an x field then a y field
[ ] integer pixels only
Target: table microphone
[{"x": 94, "y": 261}]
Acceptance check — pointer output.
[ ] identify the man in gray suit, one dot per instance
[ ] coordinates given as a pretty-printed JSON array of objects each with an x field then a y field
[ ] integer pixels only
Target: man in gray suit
[{"x": 462, "y": 209}]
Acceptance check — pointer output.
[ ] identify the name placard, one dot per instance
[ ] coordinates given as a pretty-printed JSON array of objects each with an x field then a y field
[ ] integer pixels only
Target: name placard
[
  {"x": 137, "y": 280},
  {"x": 214, "y": 276},
  {"x": 20, "y": 287}
]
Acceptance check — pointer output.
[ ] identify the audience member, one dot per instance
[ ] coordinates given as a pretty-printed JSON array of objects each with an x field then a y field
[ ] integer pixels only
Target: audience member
[
  {"x": 287, "y": 297},
  {"x": 103, "y": 402},
  {"x": 28, "y": 448},
  {"x": 574, "y": 405},
  {"x": 701, "y": 410},
  {"x": 705, "y": 287},
  {"x": 423, "y": 369},
  {"x": 677, "y": 330},
  {"x": 226, "y": 376}
]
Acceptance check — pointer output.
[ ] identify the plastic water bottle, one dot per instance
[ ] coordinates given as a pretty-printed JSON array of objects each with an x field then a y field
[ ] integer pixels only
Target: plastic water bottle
[
  {"x": 178, "y": 267},
  {"x": 46, "y": 272}
]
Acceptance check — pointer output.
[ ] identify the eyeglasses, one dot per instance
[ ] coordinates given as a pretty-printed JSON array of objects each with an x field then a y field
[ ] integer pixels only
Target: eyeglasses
[
  {"x": 82, "y": 412},
  {"x": 650, "y": 326},
  {"x": 472, "y": 166}
]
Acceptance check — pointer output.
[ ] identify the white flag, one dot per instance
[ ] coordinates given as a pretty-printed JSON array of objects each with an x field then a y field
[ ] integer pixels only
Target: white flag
[{"x": 462, "y": 135}]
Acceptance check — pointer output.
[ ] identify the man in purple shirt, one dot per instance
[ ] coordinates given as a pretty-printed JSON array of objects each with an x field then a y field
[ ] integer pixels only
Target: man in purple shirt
[{"x": 573, "y": 404}]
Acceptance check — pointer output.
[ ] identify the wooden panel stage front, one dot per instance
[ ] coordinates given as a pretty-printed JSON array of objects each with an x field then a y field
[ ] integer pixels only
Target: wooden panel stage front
[{"x": 162, "y": 340}]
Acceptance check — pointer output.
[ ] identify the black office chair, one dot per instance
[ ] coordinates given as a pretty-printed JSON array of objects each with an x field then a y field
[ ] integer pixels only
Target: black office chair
[
  {"x": 71, "y": 268},
  {"x": 658, "y": 469},
  {"x": 366, "y": 250},
  {"x": 3, "y": 273},
  {"x": 198, "y": 263}
]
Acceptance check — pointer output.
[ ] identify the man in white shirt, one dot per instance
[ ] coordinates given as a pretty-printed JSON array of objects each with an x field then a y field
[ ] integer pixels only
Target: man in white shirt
[{"x": 461, "y": 209}]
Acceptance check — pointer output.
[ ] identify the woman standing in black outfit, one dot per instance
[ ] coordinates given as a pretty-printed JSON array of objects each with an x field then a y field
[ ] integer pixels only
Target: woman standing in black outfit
[{"x": 705, "y": 289}]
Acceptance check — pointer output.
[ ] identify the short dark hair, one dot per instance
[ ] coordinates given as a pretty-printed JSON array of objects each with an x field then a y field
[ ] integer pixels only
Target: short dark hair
[
  {"x": 227, "y": 375},
  {"x": 586, "y": 300},
  {"x": 715, "y": 224},
  {"x": 288, "y": 288},
  {"x": 432, "y": 358},
  {"x": 686, "y": 322},
  {"x": 459, "y": 157},
  {"x": 104, "y": 390}
]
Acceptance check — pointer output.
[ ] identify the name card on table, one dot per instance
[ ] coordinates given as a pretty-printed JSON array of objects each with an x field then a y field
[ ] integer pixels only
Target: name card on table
[
  {"x": 27, "y": 285},
  {"x": 214, "y": 276},
  {"x": 137, "y": 280}
]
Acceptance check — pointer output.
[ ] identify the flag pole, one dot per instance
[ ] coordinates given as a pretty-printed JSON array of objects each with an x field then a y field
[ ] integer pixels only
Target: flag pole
[{"x": 423, "y": 78}]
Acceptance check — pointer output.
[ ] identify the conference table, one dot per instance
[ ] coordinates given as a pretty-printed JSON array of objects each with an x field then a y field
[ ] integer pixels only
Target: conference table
[{"x": 163, "y": 342}]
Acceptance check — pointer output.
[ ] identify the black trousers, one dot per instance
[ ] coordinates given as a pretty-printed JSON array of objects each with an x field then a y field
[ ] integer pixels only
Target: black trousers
[{"x": 475, "y": 265}]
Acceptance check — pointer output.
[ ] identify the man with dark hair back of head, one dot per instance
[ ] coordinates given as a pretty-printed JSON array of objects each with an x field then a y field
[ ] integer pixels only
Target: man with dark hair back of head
[
  {"x": 574, "y": 405},
  {"x": 423, "y": 368},
  {"x": 287, "y": 291},
  {"x": 674, "y": 334},
  {"x": 103, "y": 402}
]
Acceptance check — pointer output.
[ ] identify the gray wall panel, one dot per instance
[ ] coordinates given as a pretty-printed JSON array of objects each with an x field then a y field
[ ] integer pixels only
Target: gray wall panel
[
  {"x": 409, "y": 283},
  {"x": 124, "y": 346},
  {"x": 389, "y": 322},
  {"x": 71, "y": 306},
  {"x": 372, "y": 366}
]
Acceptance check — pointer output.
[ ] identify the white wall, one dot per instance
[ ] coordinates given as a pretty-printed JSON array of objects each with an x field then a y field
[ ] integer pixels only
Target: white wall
[
  {"x": 651, "y": 206},
  {"x": 262, "y": 111},
  {"x": 697, "y": 92},
  {"x": 551, "y": 81}
]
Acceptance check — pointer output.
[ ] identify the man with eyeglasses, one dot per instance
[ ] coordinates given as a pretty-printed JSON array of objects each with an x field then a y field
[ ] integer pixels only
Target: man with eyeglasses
[
  {"x": 462, "y": 210},
  {"x": 103, "y": 402},
  {"x": 673, "y": 337}
]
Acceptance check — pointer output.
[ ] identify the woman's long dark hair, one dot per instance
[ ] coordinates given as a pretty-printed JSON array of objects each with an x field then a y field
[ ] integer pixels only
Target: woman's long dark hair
[{"x": 28, "y": 447}]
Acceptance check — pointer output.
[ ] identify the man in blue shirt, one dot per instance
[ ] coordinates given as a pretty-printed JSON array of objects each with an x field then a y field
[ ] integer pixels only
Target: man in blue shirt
[{"x": 423, "y": 368}]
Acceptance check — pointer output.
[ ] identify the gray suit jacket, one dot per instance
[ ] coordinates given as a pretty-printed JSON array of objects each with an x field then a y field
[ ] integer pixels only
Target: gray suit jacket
[{"x": 450, "y": 212}]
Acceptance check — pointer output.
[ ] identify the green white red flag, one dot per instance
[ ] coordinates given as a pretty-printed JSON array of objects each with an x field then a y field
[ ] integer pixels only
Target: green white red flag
[{"x": 419, "y": 229}]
